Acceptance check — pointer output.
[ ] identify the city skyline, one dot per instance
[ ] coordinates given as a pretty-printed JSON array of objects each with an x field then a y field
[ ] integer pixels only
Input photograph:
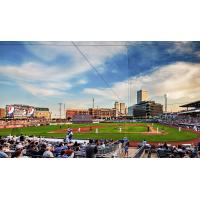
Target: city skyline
[{"x": 46, "y": 73}]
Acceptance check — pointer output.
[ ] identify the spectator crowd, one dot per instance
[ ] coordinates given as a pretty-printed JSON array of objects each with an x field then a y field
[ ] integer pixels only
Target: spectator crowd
[
  {"x": 180, "y": 151},
  {"x": 185, "y": 121},
  {"x": 37, "y": 147},
  {"x": 12, "y": 123}
]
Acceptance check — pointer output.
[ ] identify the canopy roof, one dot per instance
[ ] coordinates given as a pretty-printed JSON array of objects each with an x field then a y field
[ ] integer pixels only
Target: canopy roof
[{"x": 195, "y": 104}]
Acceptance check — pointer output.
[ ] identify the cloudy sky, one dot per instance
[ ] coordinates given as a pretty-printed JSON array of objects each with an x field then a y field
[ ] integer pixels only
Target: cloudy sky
[{"x": 46, "y": 73}]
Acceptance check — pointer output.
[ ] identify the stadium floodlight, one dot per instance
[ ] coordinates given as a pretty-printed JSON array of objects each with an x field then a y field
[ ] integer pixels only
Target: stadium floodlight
[
  {"x": 165, "y": 97},
  {"x": 64, "y": 110},
  {"x": 60, "y": 109},
  {"x": 93, "y": 103}
]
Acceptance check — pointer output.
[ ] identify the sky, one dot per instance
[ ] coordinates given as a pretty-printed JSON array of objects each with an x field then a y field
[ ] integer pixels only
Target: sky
[{"x": 73, "y": 73}]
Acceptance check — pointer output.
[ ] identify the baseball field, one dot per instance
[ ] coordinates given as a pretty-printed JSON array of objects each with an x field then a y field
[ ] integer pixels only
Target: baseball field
[{"x": 133, "y": 131}]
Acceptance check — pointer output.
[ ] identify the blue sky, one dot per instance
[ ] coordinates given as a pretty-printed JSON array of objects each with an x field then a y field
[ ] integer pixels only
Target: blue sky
[{"x": 46, "y": 73}]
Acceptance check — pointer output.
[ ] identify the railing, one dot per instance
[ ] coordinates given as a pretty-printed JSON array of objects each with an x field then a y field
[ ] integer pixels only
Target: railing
[
  {"x": 139, "y": 152},
  {"x": 102, "y": 152},
  {"x": 107, "y": 151}
]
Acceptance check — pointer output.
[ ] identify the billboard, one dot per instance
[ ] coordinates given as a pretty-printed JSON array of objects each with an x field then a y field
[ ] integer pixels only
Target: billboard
[
  {"x": 19, "y": 111},
  {"x": 10, "y": 111}
]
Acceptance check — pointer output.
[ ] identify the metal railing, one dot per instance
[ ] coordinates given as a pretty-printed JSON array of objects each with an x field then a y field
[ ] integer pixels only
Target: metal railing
[{"x": 139, "y": 152}]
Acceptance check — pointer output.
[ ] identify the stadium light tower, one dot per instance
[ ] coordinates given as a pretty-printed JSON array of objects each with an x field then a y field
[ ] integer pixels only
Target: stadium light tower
[
  {"x": 165, "y": 97},
  {"x": 60, "y": 108},
  {"x": 64, "y": 110}
]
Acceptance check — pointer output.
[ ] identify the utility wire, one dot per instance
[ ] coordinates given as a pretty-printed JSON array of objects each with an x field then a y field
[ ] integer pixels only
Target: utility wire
[
  {"x": 56, "y": 44},
  {"x": 94, "y": 68},
  {"x": 128, "y": 81}
]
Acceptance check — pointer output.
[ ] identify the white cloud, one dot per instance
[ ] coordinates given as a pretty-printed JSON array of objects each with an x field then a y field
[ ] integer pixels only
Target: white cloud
[
  {"x": 114, "y": 71},
  {"x": 82, "y": 81},
  {"x": 97, "y": 55},
  {"x": 181, "y": 47},
  {"x": 78, "y": 103},
  {"x": 38, "y": 91},
  {"x": 197, "y": 53},
  {"x": 87, "y": 102},
  {"x": 31, "y": 72},
  {"x": 5, "y": 82},
  {"x": 96, "y": 51},
  {"x": 59, "y": 85},
  {"x": 178, "y": 80},
  {"x": 53, "y": 79},
  {"x": 103, "y": 92},
  {"x": 37, "y": 79}
]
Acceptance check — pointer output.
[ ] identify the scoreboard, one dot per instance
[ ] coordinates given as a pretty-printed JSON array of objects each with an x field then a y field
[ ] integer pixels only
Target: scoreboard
[{"x": 19, "y": 111}]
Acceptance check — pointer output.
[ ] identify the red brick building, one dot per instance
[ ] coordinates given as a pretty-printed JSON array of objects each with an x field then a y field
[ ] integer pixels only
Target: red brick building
[
  {"x": 102, "y": 113},
  {"x": 70, "y": 113},
  {"x": 2, "y": 113}
]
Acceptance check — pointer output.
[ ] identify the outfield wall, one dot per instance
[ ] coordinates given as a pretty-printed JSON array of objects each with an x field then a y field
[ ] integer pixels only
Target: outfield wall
[{"x": 12, "y": 126}]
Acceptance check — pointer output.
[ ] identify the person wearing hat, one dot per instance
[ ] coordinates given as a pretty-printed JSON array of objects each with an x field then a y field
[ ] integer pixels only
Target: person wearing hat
[
  {"x": 19, "y": 146},
  {"x": 19, "y": 151},
  {"x": 67, "y": 135},
  {"x": 70, "y": 135}
]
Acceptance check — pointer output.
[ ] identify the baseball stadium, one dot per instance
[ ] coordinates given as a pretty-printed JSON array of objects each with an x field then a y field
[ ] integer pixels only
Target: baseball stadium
[
  {"x": 145, "y": 137},
  {"x": 161, "y": 121}
]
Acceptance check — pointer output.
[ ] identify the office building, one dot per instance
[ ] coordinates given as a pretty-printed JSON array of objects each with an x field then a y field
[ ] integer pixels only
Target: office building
[
  {"x": 147, "y": 109},
  {"x": 120, "y": 109},
  {"x": 142, "y": 95},
  {"x": 117, "y": 106}
]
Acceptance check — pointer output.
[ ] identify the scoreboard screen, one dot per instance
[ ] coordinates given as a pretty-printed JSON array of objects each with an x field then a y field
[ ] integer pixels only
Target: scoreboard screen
[{"x": 19, "y": 111}]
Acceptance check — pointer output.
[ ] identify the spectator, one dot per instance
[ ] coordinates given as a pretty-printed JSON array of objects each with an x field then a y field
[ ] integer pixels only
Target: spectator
[
  {"x": 84, "y": 144},
  {"x": 144, "y": 142},
  {"x": 18, "y": 153},
  {"x": 120, "y": 147},
  {"x": 6, "y": 146},
  {"x": 2, "y": 153},
  {"x": 103, "y": 145},
  {"x": 22, "y": 138},
  {"x": 186, "y": 155},
  {"x": 165, "y": 145},
  {"x": 48, "y": 153},
  {"x": 62, "y": 154},
  {"x": 59, "y": 148},
  {"x": 91, "y": 150},
  {"x": 42, "y": 150},
  {"x": 126, "y": 148},
  {"x": 69, "y": 153}
]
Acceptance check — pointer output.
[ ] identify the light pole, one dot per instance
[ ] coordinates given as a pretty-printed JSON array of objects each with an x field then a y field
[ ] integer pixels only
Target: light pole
[
  {"x": 64, "y": 111},
  {"x": 60, "y": 109}
]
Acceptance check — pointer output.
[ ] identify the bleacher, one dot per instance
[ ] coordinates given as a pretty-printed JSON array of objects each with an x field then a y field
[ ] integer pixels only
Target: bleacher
[
  {"x": 79, "y": 119},
  {"x": 187, "y": 118}
]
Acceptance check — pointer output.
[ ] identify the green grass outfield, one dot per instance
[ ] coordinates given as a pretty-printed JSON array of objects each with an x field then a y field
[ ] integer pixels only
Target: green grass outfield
[{"x": 108, "y": 131}]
